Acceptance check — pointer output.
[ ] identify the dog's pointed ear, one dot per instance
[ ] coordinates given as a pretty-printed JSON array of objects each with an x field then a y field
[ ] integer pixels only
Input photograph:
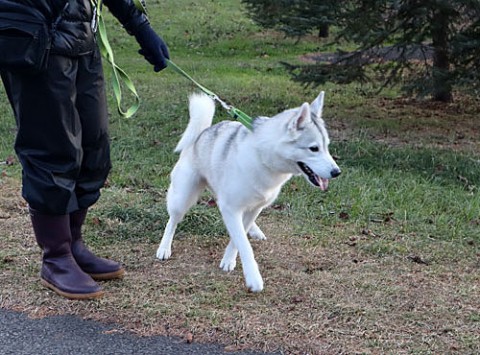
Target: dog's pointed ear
[
  {"x": 317, "y": 105},
  {"x": 301, "y": 118}
]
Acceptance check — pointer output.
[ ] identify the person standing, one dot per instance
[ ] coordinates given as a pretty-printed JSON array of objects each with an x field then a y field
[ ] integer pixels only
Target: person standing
[{"x": 62, "y": 137}]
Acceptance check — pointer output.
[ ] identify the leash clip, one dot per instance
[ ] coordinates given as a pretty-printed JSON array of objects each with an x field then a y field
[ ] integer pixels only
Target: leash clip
[
  {"x": 94, "y": 22},
  {"x": 97, "y": 9},
  {"x": 241, "y": 116},
  {"x": 222, "y": 103}
]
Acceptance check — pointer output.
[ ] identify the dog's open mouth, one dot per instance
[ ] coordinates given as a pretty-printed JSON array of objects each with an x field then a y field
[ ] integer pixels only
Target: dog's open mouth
[{"x": 312, "y": 177}]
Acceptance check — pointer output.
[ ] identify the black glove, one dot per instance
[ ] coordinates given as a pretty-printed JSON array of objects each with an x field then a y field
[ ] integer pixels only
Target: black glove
[{"x": 153, "y": 48}]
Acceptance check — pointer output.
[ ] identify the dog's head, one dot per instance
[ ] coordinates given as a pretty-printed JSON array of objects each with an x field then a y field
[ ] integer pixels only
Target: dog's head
[{"x": 310, "y": 141}]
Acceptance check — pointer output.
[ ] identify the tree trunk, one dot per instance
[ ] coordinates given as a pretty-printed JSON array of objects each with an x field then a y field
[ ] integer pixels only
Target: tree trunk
[
  {"x": 442, "y": 87},
  {"x": 323, "y": 31}
]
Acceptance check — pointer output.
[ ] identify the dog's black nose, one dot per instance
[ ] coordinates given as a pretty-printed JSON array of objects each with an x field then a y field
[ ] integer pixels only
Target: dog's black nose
[{"x": 335, "y": 172}]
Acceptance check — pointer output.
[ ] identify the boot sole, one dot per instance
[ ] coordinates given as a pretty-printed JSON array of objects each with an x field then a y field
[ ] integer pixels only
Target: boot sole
[
  {"x": 72, "y": 296},
  {"x": 119, "y": 274}
]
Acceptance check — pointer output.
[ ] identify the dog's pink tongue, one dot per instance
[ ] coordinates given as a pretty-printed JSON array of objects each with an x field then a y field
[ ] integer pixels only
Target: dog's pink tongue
[{"x": 323, "y": 184}]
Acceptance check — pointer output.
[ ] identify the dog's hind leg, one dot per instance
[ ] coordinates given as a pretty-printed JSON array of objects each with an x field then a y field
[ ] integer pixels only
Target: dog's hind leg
[
  {"x": 164, "y": 250},
  {"x": 235, "y": 226},
  {"x": 256, "y": 233},
  {"x": 229, "y": 260},
  {"x": 183, "y": 193},
  {"x": 253, "y": 229}
]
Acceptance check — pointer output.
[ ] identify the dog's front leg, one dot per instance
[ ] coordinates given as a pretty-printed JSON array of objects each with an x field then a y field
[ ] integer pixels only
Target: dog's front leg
[
  {"x": 229, "y": 260},
  {"x": 233, "y": 222}
]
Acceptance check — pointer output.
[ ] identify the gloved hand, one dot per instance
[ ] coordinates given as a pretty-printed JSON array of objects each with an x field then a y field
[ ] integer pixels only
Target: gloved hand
[{"x": 153, "y": 48}]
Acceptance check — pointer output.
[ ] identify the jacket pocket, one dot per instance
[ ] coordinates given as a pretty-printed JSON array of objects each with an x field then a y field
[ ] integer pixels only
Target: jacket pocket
[{"x": 24, "y": 43}]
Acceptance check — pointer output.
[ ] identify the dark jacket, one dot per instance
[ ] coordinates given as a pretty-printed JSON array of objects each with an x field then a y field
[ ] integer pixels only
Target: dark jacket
[{"x": 71, "y": 20}]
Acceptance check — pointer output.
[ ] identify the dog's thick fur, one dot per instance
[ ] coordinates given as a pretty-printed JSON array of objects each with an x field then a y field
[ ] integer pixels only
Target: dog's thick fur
[{"x": 245, "y": 170}]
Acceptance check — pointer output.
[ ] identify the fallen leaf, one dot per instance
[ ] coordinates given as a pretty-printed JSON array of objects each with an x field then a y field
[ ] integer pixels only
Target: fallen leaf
[{"x": 189, "y": 338}]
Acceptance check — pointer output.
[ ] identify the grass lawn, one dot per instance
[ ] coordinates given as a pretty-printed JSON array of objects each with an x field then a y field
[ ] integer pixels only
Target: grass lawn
[{"x": 386, "y": 261}]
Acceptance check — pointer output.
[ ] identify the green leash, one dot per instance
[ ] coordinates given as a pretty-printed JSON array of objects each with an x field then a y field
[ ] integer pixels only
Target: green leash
[
  {"x": 235, "y": 113},
  {"x": 118, "y": 74}
]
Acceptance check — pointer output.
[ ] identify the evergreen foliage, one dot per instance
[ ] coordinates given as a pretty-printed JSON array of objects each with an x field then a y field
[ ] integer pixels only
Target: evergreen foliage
[
  {"x": 430, "y": 47},
  {"x": 295, "y": 18}
]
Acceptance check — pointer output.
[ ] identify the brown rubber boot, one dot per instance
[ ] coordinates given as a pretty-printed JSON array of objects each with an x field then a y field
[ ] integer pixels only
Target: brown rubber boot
[
  {"x": 98, "y": 268},
  {"x": 60, "y": 272}
]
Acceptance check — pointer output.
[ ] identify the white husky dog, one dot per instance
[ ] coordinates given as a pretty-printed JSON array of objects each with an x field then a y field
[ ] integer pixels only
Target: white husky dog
[{"x": 245, "y": 170}]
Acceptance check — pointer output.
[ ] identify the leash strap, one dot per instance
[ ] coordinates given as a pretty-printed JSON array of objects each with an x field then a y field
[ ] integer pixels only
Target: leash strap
[
  {"x": 119, "y": 76},
  {"x": 235, "y": 113}
]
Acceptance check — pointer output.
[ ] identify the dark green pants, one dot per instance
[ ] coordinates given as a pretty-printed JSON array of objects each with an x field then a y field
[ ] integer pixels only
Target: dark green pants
[{"x": 62, "y": 139}]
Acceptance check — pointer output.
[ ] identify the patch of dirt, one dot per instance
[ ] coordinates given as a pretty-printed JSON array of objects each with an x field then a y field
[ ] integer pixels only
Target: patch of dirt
[{"x": 411, "y": 122}]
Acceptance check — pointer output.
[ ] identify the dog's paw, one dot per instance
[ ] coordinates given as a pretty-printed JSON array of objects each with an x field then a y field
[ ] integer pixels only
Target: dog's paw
[
  {"x": 256, "y": 233},
  {"x": 255, "y": 283},
  {"x": 164, "y": 253},
  {"x": 228, "y": 265}
]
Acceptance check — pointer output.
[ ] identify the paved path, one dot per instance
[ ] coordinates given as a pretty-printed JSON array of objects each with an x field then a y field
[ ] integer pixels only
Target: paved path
[{"x": 68, "y": 335}]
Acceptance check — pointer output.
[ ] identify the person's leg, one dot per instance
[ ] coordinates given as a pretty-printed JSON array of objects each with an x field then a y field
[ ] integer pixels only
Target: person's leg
[
  {"x": 48, "y": 145},
  {"x": 91, "y": 106},
  {"x": 49, "y": 138}
]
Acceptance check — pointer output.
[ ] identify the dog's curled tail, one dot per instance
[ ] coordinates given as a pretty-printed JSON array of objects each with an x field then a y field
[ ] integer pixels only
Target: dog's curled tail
[{"x": 202, "y": 109}]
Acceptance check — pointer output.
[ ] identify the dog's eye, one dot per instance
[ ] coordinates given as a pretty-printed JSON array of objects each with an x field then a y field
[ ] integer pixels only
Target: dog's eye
[{"x": 314, "y": 148}]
